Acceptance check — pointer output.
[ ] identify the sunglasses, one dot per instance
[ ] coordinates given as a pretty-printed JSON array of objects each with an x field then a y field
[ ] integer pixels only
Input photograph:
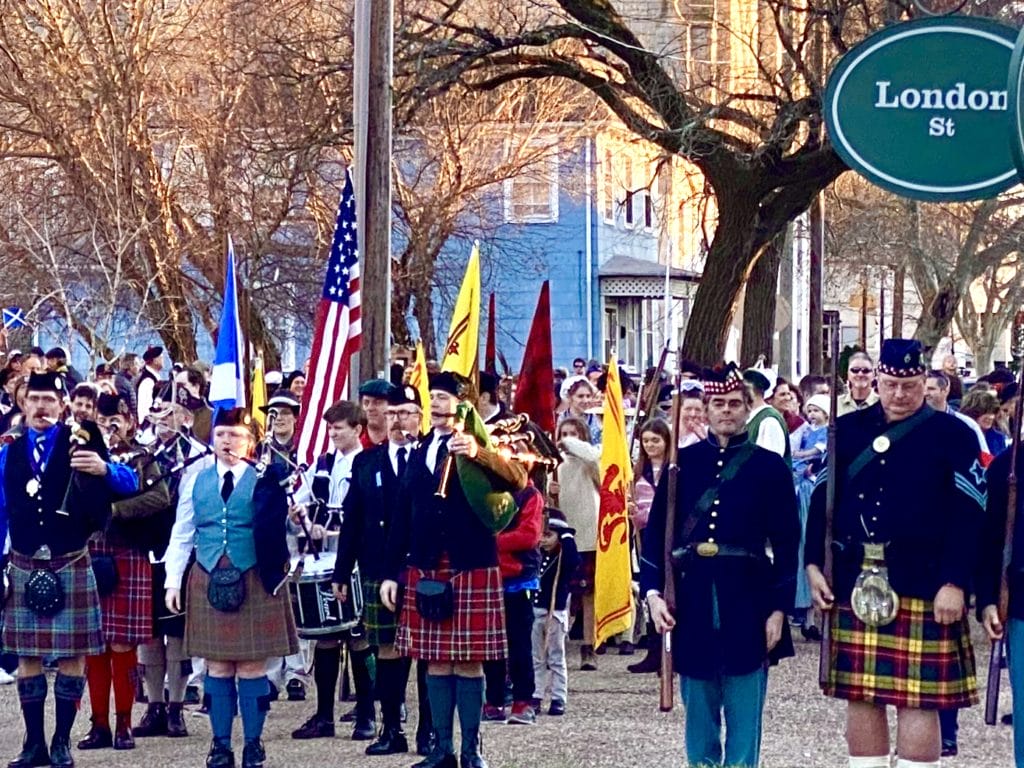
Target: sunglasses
[{"x": 860, "y": 370}]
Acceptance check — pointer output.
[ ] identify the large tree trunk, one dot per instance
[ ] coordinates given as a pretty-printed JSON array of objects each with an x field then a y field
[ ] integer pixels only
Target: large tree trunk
[
  {"x": 725, "y": 270},
  {"x": 937, "y": 315},
  {"x": 759, "y": 304}
]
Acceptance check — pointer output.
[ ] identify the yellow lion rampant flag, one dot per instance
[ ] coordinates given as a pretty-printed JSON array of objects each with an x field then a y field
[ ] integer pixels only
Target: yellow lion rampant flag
[
  {"x": 419, "y": 380},
  {"x": 460, "y": 350},
  {"x": 613, "y": 589}
]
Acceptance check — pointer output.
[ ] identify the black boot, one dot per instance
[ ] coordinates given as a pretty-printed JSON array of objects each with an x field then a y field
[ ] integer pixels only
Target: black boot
[
  {"x": 98, "y": 737},
  {"x": 60, "y": 753},
  {"x": 220, "y": 756},
  {"x": 391, "y": 742},
  {"x": 253, "y": 754},
  {"x": 32, "y": 694},
  {"x": 67, "y": 692},
  {"x": 153, "y": 723},
  {"x": 176, "y": 721},
  {"x": 439, "y": 758},
  {"x": 652, "y": 661},
  {"x": 123, "y": 732}
]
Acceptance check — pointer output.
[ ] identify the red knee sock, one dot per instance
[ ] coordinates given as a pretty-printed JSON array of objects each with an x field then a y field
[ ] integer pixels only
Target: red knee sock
[
  {"x": 97, "y": 671},
  {"x": 123, "y": 665}
]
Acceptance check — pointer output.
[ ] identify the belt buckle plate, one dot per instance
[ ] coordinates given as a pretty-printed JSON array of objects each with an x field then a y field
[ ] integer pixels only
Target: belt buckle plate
[{"x": 707, "y": 549}]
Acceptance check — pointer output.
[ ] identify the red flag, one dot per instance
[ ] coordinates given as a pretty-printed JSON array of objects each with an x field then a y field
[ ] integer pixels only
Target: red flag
[
  {"x": 489, "y": 352},
  {"x": 535, "y": 391}
]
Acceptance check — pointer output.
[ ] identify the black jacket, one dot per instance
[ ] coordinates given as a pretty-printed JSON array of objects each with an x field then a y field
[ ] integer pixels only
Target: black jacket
[
  {"x": 269, "y": 524},
  {"x": 426, "y": 526},
  {"x": 367, "y": 511},
  {"x": 924, "y": 497},
  {"x": 990, "y": 554},
  {"x": 723, "y": 602},
  {"x": 549, "y": 567}
]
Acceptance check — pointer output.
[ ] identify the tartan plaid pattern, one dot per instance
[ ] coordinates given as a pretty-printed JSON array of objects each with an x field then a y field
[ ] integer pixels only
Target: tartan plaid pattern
[
  {"x": 914, "y": 662},
  {"x": 127, "y": 612},
  {"x": 75, "y": 631},
  {"x": 262, "y": 628},
  {"x": 380, "y": 623},
  {"x": 476, "y": 630}
]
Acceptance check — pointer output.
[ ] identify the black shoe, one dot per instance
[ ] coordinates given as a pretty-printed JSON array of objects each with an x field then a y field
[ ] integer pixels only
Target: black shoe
[
  {"x": 425, "y": 743},
  {"x": 556, "y": 708},
  {"x": 220, "y": 756},
  {"x": 649, "y": 663},
  {"x": 253, "y": 754},
  {"x": 296, "y": 690},
  {"x": 32, "y": 756},
  {"x": 365, "y": 729},
  {"x": 123, "y": 733},
  {"x": 1007, "y": 719},
  {"x": 627, "y": 649},
  {"x": 314, "y": 728},
  {"x": 438, "y": 759},
  {"x": 97, "y": 738},
  {"x": 153, "y": 723},
  {"x": 472, "y": 761},
  {"x": 391, "y": 742},
  {"x": 176, "y": 721},
  {"x": 275, "y": 694},
  {"x": 350, "y": 716},
  {"x": 949, "y": 748},
  {"x": 811, "y": 634},
  {"x": 60, "y": 753},
  {"x": 191, "y": 695}
]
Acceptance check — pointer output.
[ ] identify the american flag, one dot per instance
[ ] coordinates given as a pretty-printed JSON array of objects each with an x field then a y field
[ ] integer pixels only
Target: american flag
[{"x": 337, "y": 331}]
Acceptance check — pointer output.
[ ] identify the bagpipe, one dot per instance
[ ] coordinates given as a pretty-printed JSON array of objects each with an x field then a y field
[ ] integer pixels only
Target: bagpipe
[{"x": 513, "y": 439}]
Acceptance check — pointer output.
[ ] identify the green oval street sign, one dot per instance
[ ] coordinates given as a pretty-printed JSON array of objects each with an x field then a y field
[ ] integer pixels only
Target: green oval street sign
[
  {"x": 1016, "y": 90},
  {"x": 921, "y": 108}
]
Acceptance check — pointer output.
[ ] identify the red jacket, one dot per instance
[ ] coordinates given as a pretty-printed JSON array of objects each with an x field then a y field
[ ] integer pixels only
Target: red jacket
[{"x": 518, "y": 555}]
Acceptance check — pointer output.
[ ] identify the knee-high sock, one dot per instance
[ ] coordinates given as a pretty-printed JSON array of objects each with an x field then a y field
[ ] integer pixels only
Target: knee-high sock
[
  {"x": 178, "y": 669},
  {"x": 362, "y": 679},
  {"x": 441, "y": 690},
  {"x": 123, "y": 668},
  {"x": 223, "y": 705},
  {"x": 32, "y": 694},
  {"x": 254, "y": 702},
  {"x": 469, "y": 696},
  {"x": 390, "y": 679},
  {"x": 326, "y": 662},
  {"x": 67, "y": 692},
  {"x": 97, "y": 669},
  {"x": 880, "y": 761},
  {"x": 425, "y": 723},
  {"x": 153, "y": 676}
]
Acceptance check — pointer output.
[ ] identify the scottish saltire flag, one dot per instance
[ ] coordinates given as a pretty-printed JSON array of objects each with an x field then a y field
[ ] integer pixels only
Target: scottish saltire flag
[
  {"x": 227, "y": 384},
  {"x": 14, "y": 317},
  {"x": 337, "y": 331}
]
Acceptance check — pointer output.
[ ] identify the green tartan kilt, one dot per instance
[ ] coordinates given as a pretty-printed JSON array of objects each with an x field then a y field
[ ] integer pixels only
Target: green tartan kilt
[
  {"x": 914, "y": 662},
  {"x": 380, "y": 623}
]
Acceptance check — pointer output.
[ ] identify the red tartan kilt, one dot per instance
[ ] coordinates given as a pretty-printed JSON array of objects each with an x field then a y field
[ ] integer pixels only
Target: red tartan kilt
[
  {"x": 913, "y": 662},
  {"x": 476, "y": 630},
  {"x": 127, "y": 612}
]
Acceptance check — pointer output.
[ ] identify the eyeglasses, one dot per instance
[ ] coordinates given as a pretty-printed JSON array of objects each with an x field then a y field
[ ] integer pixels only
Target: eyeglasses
[{"x": 860, "y": 370}]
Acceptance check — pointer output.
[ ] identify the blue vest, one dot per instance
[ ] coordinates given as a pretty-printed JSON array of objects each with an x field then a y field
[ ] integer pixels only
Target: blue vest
[{"x": 224, "y": 528}]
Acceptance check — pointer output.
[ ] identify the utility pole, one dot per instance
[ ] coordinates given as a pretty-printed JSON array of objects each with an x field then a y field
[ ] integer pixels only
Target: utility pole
[
  {"x": 816, "y": 270},
  {"x": 372, "y": 106}
]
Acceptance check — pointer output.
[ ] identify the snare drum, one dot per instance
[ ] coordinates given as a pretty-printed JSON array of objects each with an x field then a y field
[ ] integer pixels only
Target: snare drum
[{"x": 317, "y": 611}]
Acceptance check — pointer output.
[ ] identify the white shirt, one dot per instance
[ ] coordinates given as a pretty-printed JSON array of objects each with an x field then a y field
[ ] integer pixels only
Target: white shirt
[
  {"x": 341, "y": 476},
  {"x": 393, "y": 449},
  {"x": 147, "y": 389},
  {"x": 770, "y": 434},
  {"x": 433, "y": 448},
  {"x": 183, "y": 534}
]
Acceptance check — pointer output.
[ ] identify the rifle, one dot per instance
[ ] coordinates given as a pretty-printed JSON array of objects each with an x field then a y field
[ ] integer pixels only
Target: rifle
[
  {"x": 832, "y": 317},
  {"x": 672, "y": 483},
  {"x": 646, "y": 404},
  {"x": 996, "y": 655}
]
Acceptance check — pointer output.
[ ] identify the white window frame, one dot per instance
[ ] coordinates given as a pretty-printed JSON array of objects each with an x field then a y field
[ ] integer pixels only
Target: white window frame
[
  {"x": 608, "y": 188},
  {"x": 628, "y": 197},
  {"x": 551, "y": 217}
]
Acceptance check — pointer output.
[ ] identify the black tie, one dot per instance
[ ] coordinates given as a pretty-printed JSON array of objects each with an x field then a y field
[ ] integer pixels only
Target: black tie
[
  {"x": 442, "y": 453},
  {"x": 402, "y": 461},
  {"x": 228, "y": 487}
]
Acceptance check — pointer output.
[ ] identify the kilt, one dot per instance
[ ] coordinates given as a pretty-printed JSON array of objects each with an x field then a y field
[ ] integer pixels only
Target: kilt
[
  {"x": 165, "y": 623},
  {"x": 913, "y": 662},
  {"x": 476, "y": 630},
  {"x": 75, "y": 631},
  {"x": 262, "y": 628},
  {"x": 127, "y": 612},
  {"x": 380, "y": 623}
]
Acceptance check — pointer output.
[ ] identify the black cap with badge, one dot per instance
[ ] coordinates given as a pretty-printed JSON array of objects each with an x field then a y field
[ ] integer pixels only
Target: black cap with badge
[
  {"x": 901, "y": 358},
  {"x": 405, "y": 395},
  {"x": 47, "y": 381},
  {"x": 283, "y": 398}
]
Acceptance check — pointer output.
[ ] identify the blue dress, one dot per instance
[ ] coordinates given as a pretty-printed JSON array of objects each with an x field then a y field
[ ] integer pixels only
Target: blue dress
[{"x": 804, "y": 473}]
